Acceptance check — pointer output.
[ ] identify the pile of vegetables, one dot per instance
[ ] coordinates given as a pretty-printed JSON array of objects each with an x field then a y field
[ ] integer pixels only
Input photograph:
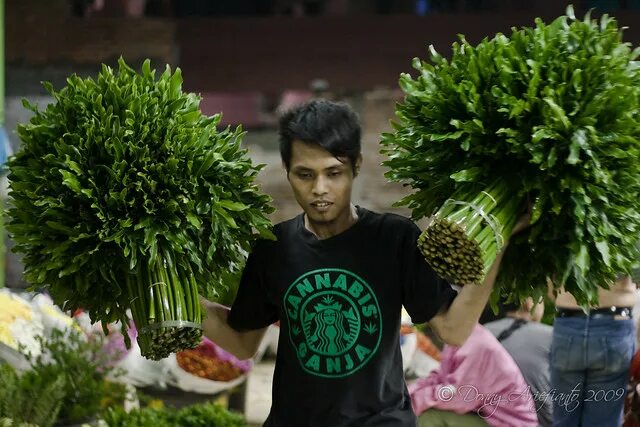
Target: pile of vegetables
[
  {"x": 546, "y": 119},
  {"x": 29, "y": 399},
  {"x": 65, "y": 384},
  {"x": 87, "y": 371},
  {"x": 125, "y": 196},
  {"x": 211, "y": 362},
  {"x": 201, "y": 415}
]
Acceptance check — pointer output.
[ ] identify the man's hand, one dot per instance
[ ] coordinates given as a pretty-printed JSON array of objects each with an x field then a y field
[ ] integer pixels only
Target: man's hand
[
  {"x": 243, "y": 345},
  {"x": 455, "y": 325},
  {"x": 523, "y": 223},
  {"x": 209, "y": 307}
]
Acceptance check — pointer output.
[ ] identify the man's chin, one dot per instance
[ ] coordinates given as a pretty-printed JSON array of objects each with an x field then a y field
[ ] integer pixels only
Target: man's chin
[
  {"x": 315, "y": 218},
  {"x": 321, "y": 221}
]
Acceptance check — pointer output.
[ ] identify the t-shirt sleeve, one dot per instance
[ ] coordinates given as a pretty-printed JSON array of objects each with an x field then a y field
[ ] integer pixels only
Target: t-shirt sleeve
[
  {"x": 425, "y": 294},
  {"x": 252, "y": 309}
]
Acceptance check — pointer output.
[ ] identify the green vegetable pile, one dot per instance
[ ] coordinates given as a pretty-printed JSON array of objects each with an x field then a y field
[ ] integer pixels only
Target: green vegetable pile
[
  {"x": 126, "y": 196},
  {"x": 546, "y": 118},
  {"x": 201, "y": 415},
  {"x": 29, "y": 399},
  {"x": 66, "y": 383},
  {"x": 80, "y": 360}
]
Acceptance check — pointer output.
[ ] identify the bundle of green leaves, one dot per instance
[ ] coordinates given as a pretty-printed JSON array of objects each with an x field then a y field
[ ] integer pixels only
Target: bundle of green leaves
[
  {"x": 552, "y": 115},
  {"x": 124, "y": 195}
]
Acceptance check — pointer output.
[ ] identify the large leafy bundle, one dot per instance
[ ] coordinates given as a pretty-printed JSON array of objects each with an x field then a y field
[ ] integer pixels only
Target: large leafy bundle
[
  {"x": 550, "y": 114},
  {"x": 125, "y": 195}
]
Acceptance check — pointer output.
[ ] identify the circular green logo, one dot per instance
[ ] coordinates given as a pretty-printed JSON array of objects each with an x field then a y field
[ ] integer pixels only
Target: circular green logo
[{"x": 334, "y": 322}]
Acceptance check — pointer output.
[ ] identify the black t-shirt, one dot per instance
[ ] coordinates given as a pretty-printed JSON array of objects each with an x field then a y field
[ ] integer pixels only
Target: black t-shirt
[{"x": 339, "y": 301}]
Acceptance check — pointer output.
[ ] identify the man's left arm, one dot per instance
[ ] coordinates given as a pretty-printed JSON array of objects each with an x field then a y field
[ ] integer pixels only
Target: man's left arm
[{"x": 455, "y": 324}]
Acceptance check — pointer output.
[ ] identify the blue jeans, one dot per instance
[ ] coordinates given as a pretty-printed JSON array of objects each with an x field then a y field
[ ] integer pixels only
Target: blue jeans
[{"x": 590, "y": 360}]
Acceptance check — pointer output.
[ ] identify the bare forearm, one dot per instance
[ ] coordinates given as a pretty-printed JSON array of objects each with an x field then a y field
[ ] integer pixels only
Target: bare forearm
[
  {"x": 473, "y": 299},
  {"x": 243, "y": 345},
  {"x": 456, "y": 324}
]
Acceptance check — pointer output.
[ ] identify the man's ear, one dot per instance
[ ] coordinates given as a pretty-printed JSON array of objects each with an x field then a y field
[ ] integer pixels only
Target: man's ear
[
  {"x": 284, "y": 166},
  {"x": 358, "y": 164}
]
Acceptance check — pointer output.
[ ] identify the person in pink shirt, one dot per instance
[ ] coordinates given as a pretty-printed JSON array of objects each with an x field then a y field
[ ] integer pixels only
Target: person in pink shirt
[{"x": 476, "y": 384}]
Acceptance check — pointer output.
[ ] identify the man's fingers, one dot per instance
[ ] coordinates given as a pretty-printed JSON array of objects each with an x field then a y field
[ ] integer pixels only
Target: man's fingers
[{"x": 205, "y": 304}]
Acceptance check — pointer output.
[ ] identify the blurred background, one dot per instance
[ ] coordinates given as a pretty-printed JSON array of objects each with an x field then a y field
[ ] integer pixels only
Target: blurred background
[{"x": 252, "y": 60}]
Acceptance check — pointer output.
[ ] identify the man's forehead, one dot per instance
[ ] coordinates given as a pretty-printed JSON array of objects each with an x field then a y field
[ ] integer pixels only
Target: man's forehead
[{"x": 311, "y": 156}]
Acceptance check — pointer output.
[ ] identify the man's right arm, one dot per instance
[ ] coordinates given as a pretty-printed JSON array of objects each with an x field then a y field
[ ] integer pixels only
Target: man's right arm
[{"x": 243, "y": 345}]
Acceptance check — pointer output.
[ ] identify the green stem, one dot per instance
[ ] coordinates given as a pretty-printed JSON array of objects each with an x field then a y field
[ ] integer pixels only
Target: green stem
[
  {"x": 133, "y": 298},
  {"x": 170, "y": 291},
  {"x": 196, "y": 299},
  {"x": 157, "y": 297},
  {"x": 164, "y": 291},
  {"x": 151, "y": 303},
  {"x": 495, "y": 202},
  {"x": 186, "y": 286},
  {"x": 180, "y": 295}
]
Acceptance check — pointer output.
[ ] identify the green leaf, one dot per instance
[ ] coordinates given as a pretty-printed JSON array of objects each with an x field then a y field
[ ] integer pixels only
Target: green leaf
[
  {"x": 194, "y": 220},
  {"x": 558, "y": 113},
  {"x": 467, "y": 175},
  {"x": 232, "y": 206},
  {"x": 71, "y": 181},
  {"x": 603, "y": 248},
  {"x": 229, "y": 220}
]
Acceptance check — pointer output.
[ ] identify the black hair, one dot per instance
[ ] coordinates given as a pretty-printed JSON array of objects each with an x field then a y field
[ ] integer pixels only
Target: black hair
[
  {"x": 507, "y": 307},
  {"x": 333, "y": 126},
  {"x": 504, "y": 307}
]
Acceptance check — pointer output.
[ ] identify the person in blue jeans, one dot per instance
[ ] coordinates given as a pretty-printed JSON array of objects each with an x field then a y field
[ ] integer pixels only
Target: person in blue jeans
[{"x": 590, "y": 357}]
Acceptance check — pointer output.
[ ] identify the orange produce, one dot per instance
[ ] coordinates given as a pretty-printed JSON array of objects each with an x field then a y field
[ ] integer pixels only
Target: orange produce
[{"x": 204, "y": 366}]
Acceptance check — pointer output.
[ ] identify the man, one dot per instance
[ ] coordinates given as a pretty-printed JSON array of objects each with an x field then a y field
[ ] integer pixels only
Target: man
[
  {"x": 336, "y": 279},
  {"x": 528, "y": 342},
  {"x": 590, "y": 357}
]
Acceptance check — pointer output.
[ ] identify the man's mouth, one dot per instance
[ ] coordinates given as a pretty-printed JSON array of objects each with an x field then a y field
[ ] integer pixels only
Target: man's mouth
[{"x": 321, "y": 204}]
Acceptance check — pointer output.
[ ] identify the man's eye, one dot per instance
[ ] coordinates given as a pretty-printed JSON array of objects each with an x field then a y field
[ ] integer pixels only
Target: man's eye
[
  {"x": 334, "y": 173},
  {"x": 304, "y": 175}
]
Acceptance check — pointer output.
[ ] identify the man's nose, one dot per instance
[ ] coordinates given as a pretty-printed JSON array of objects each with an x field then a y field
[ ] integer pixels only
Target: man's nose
[{"x": 320, "y": 186}]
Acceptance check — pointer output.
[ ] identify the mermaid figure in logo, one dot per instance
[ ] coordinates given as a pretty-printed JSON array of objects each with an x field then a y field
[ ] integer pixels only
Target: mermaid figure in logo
[{"x": 329, "y": 336}]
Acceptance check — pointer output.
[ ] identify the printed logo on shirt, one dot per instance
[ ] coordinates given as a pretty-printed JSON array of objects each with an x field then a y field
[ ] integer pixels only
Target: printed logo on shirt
[{"x": 334, "y": 322}]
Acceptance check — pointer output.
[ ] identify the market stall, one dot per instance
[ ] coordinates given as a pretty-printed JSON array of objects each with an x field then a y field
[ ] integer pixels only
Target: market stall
[{"x": 58, "y": 369}]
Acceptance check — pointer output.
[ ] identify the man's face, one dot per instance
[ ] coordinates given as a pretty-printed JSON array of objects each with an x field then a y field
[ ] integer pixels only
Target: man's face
[{"x": 321, "y": 183}]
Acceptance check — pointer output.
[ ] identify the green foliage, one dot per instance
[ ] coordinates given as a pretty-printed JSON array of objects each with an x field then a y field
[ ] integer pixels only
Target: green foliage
[
  {"x": 554, "y": 111},
  {"x": 230, "y": 281},
  {"x": 208, "y": 415},
  {"x": 125, "y": 169},
  {"x": 202, "y": 415},
  {"x": 84, "y": 367},
  {"x": 147, "y": 417},
  {"x": 29, "y": 399},
  {"x": 9, "y": 422}
]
